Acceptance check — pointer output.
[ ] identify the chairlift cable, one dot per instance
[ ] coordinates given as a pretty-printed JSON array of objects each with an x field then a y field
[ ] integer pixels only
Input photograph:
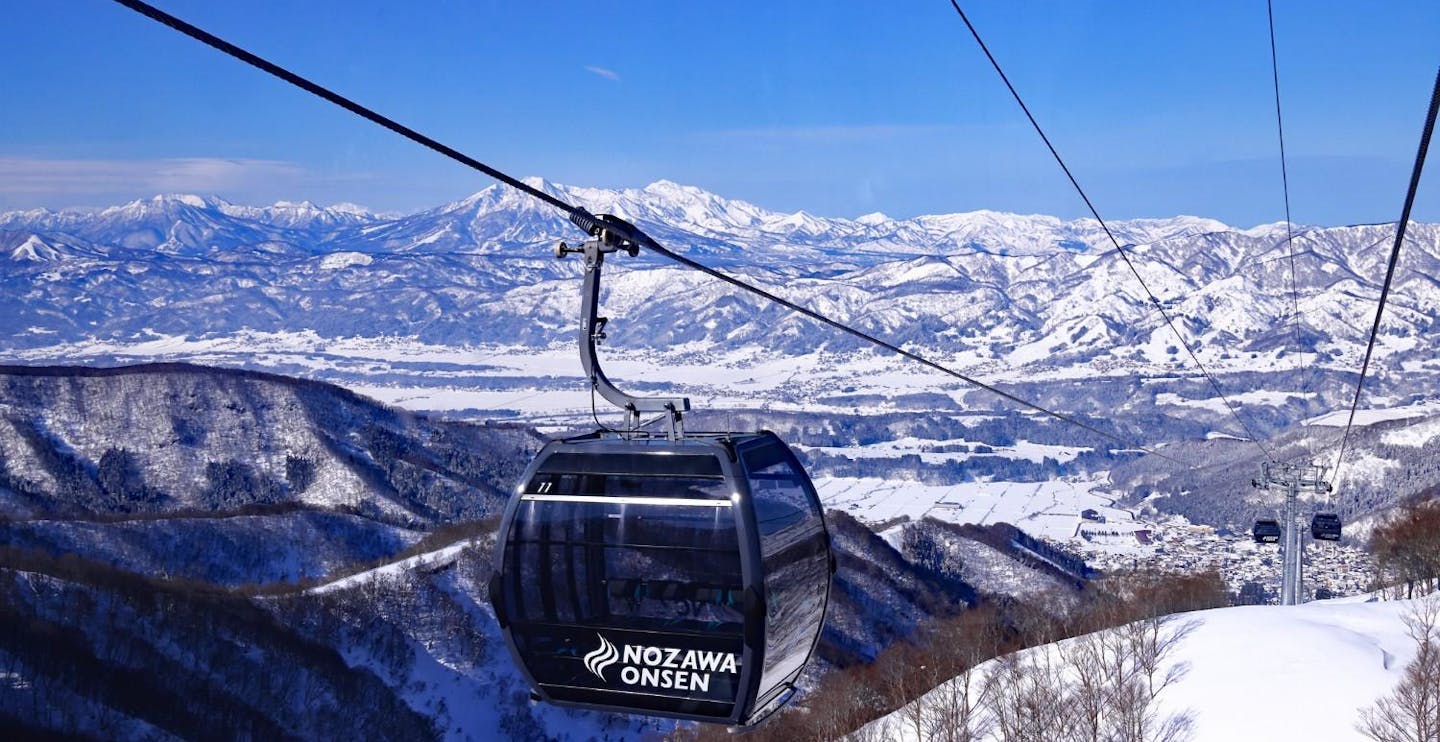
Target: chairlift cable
[
  {"x": 581, "y": 215},
  {"x": 1390, "y": 269},
  {"x": 265, "y": 65},
  {"x": 1106, "y": 228},
  {"x": 1289, "y": 225},
  {"x": 1316, "y": 369}
]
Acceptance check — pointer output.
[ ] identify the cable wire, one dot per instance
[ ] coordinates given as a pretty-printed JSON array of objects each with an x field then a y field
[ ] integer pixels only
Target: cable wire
[
  {"x": 1094, "y": 212},
  {"x": 1394, "y": 259},
  {"x": 644, "y": 239},
  {"x": 264, "y": 65},
  {"x": 1289, "y": 225}
]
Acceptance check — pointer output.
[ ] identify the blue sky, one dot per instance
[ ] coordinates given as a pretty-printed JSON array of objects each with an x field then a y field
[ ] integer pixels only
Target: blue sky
[{"x": 838, "y": 108}]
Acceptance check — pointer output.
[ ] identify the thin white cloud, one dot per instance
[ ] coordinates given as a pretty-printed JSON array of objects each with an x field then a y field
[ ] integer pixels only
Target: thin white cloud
[
  {"x": 48, "y": 178},
  {"x": 604, "y": 72},
  {"x": 847, "y": 133}
]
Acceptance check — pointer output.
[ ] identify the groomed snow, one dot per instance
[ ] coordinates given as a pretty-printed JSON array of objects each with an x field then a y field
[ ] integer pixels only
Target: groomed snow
[{"x": 1274, "y": 673}]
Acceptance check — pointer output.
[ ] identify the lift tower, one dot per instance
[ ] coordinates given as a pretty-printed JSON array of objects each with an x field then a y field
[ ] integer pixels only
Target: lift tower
[{"x": 1293, "y": 478}]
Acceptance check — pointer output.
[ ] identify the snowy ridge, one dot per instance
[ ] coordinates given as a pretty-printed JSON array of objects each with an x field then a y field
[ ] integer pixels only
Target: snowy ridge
[{"x": 435, "y": 559}]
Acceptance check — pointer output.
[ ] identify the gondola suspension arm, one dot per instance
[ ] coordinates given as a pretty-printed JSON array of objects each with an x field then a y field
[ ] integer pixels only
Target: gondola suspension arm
[{"x": 611, "y": 234}]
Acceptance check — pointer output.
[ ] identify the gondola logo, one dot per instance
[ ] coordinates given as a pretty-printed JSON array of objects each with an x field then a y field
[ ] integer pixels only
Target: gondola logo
[
  {"x": 602, "y": 658},
  {"x": 668, "y": 668}
]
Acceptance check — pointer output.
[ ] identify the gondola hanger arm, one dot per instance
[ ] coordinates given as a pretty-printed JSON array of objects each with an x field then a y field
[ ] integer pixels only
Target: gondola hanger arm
[{"x": 611, "y": 234}]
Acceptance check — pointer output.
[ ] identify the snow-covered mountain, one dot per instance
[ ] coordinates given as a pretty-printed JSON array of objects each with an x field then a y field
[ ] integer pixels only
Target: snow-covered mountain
[
  {"x": 172, "y": 438},
  {"x": 1002, "y": 296},
  {"x": 218, "y": 525}
]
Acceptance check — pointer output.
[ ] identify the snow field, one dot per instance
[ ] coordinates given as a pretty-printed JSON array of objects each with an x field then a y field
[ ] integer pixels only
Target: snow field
[
  {"x": 1298, "y": 673},
  {"x": 1043, "y": 509}
]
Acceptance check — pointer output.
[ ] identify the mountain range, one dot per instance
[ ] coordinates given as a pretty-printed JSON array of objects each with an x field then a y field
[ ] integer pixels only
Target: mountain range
[
  {"x": 1019, "y": 292},
  {"x": 1048, "y": 307}
]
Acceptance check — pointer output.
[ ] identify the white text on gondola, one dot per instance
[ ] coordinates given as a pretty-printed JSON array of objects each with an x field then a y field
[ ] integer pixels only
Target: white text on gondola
[{"x": 672, "y": 668}]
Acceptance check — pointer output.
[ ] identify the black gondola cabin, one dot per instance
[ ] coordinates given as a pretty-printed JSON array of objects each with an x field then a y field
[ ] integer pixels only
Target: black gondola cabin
[
  {"x": 1266, "y": 531},
  {"x": 684, "y": 578},
  {"x": 1325, "y": 527}
]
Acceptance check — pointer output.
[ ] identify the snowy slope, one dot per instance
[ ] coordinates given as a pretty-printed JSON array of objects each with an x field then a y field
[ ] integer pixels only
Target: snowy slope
[
  {"x": 433, "y": 559},
  {"x": 1276, "y": 673}
]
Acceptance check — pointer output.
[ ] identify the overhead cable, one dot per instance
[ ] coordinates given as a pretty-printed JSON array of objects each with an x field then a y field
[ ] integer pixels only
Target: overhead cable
[
  {"x": 1289, "y": 225},
  {"x": 1394, "y": 260},
  {"x": 581, "y": 216},
  {"x": 1215, "y": 385}
]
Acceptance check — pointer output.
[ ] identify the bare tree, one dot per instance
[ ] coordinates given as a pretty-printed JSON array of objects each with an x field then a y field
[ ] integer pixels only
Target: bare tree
[
  {"x": 958, "y": 646},
  {"x": 1086, "y": 657},
  {"x": 1138, "y": 667},
  {"x": 1027, "y": 698},
  {"x": 1407, "y": 547},
  {"x": 911, "y": 677},
  {"x": 875, "y": 731},
  {"x": 1152, "y": 641},
  {"x": 1411, "y": 713},
  {"x": 956, "y": 712},
  {"x": 835, "y": 706}
]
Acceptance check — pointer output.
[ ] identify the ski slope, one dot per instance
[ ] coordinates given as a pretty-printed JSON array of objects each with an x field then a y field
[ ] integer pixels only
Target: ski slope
[{"x": 1278, "y": 673}]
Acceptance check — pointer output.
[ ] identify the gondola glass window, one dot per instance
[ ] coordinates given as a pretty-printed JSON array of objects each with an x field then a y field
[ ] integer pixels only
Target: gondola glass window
[
  {"x": 683, "y": 578},
  {"x": 795, "y": 556},
  {"x": 643, "y": 556}
]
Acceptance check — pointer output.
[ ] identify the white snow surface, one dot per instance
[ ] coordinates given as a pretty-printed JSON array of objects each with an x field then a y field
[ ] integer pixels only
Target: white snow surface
[
  {"x": 1376, "y": 415},
  {"x": 1278, "y": 673},
  {"x": 1049, "y": 509},
  {"x": 338, "y": 260},
  {"x": 428, "y": 560},
  {"x": 1415, "y": 435}
]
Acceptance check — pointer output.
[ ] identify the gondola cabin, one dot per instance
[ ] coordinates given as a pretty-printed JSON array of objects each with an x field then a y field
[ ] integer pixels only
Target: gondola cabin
[
  {"x": 675, "y": 577},
  {"x": 1266, "y": 531},
  {"x": 1325, "y": 527}
]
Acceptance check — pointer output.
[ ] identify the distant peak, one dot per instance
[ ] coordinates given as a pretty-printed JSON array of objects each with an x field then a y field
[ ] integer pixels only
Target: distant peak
[
  {"x": 345, "y": 207},
  {"x": 874, "y": 217},
  {"x": 189, "y": 199},
  {"x": 670, "y": 185},
  {"x": 35, "y": 250}
]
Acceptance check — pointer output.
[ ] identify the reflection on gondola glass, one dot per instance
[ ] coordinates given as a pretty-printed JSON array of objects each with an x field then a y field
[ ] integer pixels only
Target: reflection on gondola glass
[
  {"x": 795, "y": 558},
  {"x": 679, "y": 577},
  {"x": 600, "y": 551}
]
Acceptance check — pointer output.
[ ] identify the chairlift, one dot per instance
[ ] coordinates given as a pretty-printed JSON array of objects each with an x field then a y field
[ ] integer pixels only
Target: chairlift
[
  {"x": 670, "y": 574},
  {"x": 1266, "y": 531},
  {"x": 1325, "y": 527}
]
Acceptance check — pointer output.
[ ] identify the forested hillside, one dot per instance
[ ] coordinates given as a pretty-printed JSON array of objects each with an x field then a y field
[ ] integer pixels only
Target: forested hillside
[{"x": 166, "y": 528}]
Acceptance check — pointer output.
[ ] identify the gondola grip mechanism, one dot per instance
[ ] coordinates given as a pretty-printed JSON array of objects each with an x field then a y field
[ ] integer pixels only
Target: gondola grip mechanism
[{"x": 611, "y": 234}]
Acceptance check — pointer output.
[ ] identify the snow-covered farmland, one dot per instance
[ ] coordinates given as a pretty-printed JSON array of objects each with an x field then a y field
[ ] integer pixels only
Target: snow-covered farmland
[{"x": 1048, "y": 509}]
